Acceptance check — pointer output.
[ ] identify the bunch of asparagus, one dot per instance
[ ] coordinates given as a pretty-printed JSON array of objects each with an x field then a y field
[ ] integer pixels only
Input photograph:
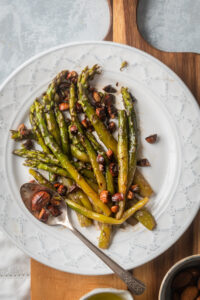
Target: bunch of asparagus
[{"x": 102, "y": 182}]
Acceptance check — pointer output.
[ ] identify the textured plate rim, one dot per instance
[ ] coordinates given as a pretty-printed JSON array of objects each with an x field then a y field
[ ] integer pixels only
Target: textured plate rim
[{"x": 173, "y": 74}]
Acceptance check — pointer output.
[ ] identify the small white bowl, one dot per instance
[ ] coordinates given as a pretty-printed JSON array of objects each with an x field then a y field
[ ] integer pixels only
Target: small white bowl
[{"x": 125, "y": 295}]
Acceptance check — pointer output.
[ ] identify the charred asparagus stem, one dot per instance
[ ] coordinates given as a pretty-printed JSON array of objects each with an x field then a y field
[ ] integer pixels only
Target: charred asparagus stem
[
  {"x": 83, "y": 198},
  {"x": 41, "y": 179},
  {"x": 66, "y": 163},
  {"x": 105, "y": 219},
  {"x": 132, "y": 133},
  {"x": 39, "y": 137},
  {"x": 36, "y": 154},
  {"x": 122, "y": 156},
  {"x": 80, "y": 155},
  {"x": 51, "y": 120},
  {"x": 80, "y": 198},
  {"x": 104, "y": 135},
  {"x": 63, "y": 131},
  {"x": 17, "y": 136},
  {"x": 86, "y": 143}
]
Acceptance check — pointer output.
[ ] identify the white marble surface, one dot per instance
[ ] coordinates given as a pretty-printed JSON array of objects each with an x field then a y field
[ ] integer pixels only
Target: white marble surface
[
  {"x": 171, "y": 25},
  {"x": 29, "y": 27}
]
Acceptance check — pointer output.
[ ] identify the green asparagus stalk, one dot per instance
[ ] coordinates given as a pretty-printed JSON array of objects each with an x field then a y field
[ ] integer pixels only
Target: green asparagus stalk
[
  {"x": 80, "y": 155},
  {"x": 79, "y": 194},
  {"x": 132, "y": 133},
  {"x": 122, "y": 156},
  {"x": 105, "y": 219},
  {"x": 41, "y": 179},
  {"x": 51, "y": 120},
  {"x": 86, "y": 143},
  {"x": 33, "y": 122},
  {"x": 63, "y": 131},
  {"x": 16, "y": 135},
  {"x": 66, "y": 163},
  {"x": 104, "y": 135},
  {"x": 80, "y": 198},
  {"x": 52, "y": 176},
  {"x": 36, "y": 154}
]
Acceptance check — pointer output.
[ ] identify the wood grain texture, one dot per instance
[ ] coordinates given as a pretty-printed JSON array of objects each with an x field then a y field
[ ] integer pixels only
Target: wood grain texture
[{"x": 47, "y": 283}]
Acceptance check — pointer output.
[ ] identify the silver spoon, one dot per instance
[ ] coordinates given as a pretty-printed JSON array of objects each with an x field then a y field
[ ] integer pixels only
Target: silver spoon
[{"x": 27, "y": 191}]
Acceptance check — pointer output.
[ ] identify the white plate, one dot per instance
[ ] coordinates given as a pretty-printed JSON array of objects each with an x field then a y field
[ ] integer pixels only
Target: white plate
[{"x": 165, "y": 106}]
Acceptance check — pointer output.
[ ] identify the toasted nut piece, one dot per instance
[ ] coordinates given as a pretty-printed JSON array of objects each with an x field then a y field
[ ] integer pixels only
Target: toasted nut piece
[
  {"x": 43, "y": 215},
  {"x": 62, "y": 190},
  {"x": 101, "y": 113},
  {"x": 57, "y": 184},
  {"x": 96, "y": 96},
  {"x": 198, "y": 283},
  {"x": 101, "y": 167},
  {"x": 151, "y": 139},
  {"x": 24, "y": 132},
  {"x": 104, "y": 196},
  {"x": 194, "y": 271},
  {"x": 85, "y": 123},
  {"x": 40, "y": 200},
  {"x": 181, "y": 280},
  {"x": 64, "y": 106},
  {"x": 117, "y": 197},
  {"x": 143, "y": 162},
  {"x": 109, "y": 99},
  {"x": 79, "y": 108},
  {"x": 55, "y": 201},
  {"x": 28, "y": 144},
  {"x": 135, "y": 188},
  {"x": 100, "y": 159},
  {"x": 114, "y": 208},
  {"x": 189, "y": 293},
  {"x": 72, "y": 76},
  {"x": 112, "y": 111},
  {"x": 112, "y": 127},
  {"x": 130, "y": 195},
  {"x": 109, "y": 154},
  {"x": 54, "y": 211},
  {"x": 113, "y": 169},
  {"x": 72, "y": 188},
  {"x": 109, "y": 89},
  {"x": 21, "y": 127},
  {"x": 73, "y": 129}
]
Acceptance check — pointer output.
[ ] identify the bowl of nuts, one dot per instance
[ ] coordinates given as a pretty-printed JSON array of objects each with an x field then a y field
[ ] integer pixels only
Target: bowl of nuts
[{"x": 182, "y": 281}]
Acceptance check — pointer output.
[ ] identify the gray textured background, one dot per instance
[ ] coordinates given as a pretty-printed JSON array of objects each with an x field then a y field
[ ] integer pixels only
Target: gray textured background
[{"x": 171, "y": 25}]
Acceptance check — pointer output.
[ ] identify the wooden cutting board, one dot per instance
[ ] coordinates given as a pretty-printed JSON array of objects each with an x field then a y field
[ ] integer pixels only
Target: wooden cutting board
[{"x": 50, "y": 284}]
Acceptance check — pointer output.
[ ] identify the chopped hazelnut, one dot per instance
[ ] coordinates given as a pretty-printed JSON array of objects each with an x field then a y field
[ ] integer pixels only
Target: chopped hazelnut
[
  {"x": 114, "y": 208},
  {"x": 143, "y": 162},
  {"x": 64, "y": 106},
  {"x": 101, "y": 113},
  {"x": 109, "y": 154},
  {"x": 104, "y": 196},
  {"x": 113, "y": 169},
  {"x": 151, "y": 139},
  {"x": 112, "y": 127},
  {"x": 117, "y": 197},
  {"x": 100, "y": 159},
  {"x": 73, "y": 129}
]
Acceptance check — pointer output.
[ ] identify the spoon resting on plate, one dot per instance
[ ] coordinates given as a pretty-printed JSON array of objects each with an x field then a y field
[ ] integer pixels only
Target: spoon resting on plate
[{"x": 28, "y": 190}]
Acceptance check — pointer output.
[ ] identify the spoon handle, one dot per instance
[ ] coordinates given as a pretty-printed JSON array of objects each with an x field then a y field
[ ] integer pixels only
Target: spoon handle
[{"x": 134, "y": 285}]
